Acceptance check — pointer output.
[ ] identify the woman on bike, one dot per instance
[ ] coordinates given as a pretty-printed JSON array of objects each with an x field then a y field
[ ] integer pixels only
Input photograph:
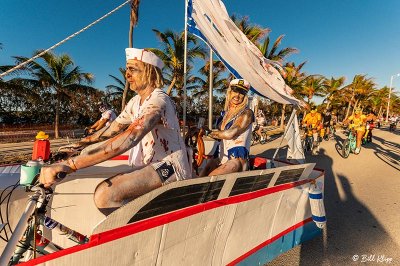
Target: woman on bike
[
  {"x": 234, "y": 130},
  {"x": 148, "y": 127},
  {"x": 313, "y": 122},
  {"x": 371, "y": 118},
  {"x": 358, "y": 124}
]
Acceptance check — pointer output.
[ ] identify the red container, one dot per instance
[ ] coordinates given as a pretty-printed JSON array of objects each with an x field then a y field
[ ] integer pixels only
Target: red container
[
  {"x": 258, "y": 163},
  {"x": 41, "y": 149}
]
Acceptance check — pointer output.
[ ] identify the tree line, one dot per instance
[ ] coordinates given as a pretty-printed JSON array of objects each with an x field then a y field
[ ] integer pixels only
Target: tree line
[{"x": 54, "y": 90}]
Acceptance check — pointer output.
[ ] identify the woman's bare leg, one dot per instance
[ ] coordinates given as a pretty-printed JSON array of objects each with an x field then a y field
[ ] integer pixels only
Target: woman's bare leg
[
  {"x": 210, "y": 166},
  {"x": 231, "y": 166},
  {"x": 360, "y": 135}
]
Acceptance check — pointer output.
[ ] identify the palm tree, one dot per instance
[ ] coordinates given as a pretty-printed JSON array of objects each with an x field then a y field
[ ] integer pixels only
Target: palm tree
[
  {"x": 395, "y": 103},
  {"x": 273, "y": 53},
  {"x": 119, "y": 88},
  {"x": 172, "y": 54},
  {"x": 295, "y": 78},
  {"x": 379, "y": 100},
  {"x": 314, "y": 85},
  {"x": 57, "y": 73},
  {"x": 359, "y": 81},
  {"x": 134, "y": 18},
  {"x": 332, "y": 87},
  {"x": 116, "y": 91},
  {"x": 365, "y": 93},
  {"x": 253, "y": 32},
  {"x": 219, "y": 83}
]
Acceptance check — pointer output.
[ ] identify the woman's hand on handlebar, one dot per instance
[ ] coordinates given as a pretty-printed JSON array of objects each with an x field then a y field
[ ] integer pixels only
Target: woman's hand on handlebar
[{"x": 49, "y": 174}]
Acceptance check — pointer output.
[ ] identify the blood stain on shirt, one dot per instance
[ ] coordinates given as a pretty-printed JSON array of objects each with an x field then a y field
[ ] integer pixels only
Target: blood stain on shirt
[{"x": 164, "y": 143}]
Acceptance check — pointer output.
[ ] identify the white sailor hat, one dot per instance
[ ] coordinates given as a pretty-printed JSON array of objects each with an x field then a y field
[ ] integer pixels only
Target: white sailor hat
[
  {"x": 145, "y": 56},
  {"x": 242, "y": 84}
]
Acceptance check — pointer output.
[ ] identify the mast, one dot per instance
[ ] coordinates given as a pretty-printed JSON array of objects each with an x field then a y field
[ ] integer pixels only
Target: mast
[
  {"x": 185, "y": 73},
  {"x": 210, "y": 92}
]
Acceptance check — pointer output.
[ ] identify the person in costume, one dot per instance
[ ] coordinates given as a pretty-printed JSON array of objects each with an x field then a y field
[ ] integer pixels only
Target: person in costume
[
  {"x": 234, "y": 131},
  {"x": 358, "y": 121},
  {"x": 107, "y": 116},
  {"x": 148, "y": 127}
]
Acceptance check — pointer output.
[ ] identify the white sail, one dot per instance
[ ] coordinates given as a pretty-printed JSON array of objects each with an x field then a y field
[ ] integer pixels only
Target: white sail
[{"x": 209, "y": 20}]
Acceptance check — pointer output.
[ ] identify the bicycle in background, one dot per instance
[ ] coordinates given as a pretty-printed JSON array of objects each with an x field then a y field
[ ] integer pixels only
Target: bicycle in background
[
  {"x": 349, "y": 144},
  {"x": 310, "y": 140},
  {"x": 367, "y": 138},
  {"x": 255, "y": 138}
]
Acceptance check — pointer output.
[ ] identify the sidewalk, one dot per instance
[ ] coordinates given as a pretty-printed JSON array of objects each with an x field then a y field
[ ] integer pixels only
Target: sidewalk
[
  {"x": 21, "y": 152},
  {"x": 273, "y": 130}
]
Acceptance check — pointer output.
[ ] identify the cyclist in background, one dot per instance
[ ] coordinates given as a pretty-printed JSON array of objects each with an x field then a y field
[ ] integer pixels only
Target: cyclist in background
[
  {"x": 393, "y": 122},
  {"x": 313, "y": 122},
  {"x": 260, "y": 123},
  {"x": 327, "y": 118},
  {"x": 358, "y": 124},
  {"x": 107, "y": 116},
  {"x": 370, "y": 125},
  {"x": 334, "y": 121}
]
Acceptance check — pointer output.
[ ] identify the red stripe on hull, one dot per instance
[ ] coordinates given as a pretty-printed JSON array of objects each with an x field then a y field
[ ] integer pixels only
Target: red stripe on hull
[
  {"x": 130, "y": 229},
  {"x": 121, "y": 157}
]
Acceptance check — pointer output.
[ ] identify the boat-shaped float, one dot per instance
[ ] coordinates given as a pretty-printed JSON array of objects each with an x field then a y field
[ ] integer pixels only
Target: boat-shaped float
[{"x": 246, "y": 218}]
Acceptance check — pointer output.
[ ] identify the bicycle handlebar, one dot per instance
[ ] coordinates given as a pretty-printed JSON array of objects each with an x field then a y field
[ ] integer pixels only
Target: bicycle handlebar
[{"x": 59, "y": 176}]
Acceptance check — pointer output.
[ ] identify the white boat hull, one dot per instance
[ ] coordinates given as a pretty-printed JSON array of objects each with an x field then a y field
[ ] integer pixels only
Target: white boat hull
[{"x": 247, "y": 218}]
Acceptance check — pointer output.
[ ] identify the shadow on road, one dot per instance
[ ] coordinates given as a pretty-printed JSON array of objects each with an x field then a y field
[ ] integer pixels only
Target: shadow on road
[
  {"x": 388, "y": 152},
  {"x": 351, "y": 228},
  {"x": 339, "y": 144}
]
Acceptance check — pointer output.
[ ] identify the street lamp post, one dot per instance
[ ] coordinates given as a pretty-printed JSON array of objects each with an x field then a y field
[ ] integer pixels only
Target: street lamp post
[{"x": 390, "y": 92}]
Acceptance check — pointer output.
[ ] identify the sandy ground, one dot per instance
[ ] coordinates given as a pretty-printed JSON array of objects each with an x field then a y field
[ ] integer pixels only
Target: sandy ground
[{"x": 362, "y": 202}]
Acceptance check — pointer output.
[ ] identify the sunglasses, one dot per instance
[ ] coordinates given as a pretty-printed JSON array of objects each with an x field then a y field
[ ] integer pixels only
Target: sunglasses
[{"x": 238, "y": 90}]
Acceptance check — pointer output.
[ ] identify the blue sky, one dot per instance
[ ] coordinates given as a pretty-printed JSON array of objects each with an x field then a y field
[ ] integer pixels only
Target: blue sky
[{"x": 335, "y": 37}]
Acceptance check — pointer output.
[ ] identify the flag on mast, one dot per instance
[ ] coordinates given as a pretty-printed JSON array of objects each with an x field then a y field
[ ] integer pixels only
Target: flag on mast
[
  {"x": 293, "y": 137},
  {"x": 209, "y": 20}
]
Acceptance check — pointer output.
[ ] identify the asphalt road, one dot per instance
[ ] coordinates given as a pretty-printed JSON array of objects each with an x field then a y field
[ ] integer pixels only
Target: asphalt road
[{"x": 362, "y": 201}]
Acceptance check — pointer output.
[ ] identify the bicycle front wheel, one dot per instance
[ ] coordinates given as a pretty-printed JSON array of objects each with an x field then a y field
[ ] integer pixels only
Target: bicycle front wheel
[{"x": 346, "y": 148}]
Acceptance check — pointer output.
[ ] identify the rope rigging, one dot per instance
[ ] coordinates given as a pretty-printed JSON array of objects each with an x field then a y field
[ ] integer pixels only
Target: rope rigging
[{"x": 63, "y": 41}]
